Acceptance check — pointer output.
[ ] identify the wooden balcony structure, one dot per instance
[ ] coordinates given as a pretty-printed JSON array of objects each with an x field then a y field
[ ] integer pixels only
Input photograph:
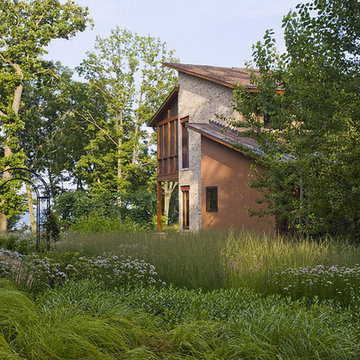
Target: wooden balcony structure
[{"x": 165, "y": 121}]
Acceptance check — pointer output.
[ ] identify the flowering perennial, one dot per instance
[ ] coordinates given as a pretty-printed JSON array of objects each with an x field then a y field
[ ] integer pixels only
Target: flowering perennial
[
  {"x": 331, "y": 282},
  {"x": 36, "y": 271}
]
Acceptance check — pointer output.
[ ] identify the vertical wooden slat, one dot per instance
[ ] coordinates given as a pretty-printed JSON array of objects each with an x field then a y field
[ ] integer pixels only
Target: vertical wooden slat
[
  {"x": 169, "y": 139},
  {"x": 164, "y": 139},
  {"x": 158, "y": 148},
  {"x": 159, "y": 210},
  {"x": 175, "y": 137}
]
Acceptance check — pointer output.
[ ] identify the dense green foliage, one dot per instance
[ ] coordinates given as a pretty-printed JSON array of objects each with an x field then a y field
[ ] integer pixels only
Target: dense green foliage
[
  {"x": 310, "y": 96},
  {"x": 26, "y": 28},
  {"x": 87, "y": 134},
  {"x": 79, "y": 320},
  {"x": 100, "y": 211}
]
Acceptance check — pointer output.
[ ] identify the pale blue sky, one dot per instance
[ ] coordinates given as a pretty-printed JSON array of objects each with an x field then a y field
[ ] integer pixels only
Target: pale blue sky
[{"x": 205, "y": 32}]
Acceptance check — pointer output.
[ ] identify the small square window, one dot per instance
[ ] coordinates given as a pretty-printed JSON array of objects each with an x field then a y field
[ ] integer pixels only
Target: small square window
[{"x": 212, "y": 199}]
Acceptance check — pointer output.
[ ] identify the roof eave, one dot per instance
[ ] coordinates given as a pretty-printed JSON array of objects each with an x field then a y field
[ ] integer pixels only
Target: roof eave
[
  {"x": 169, "y": 99},
  {"x": 241, "y": 148}
]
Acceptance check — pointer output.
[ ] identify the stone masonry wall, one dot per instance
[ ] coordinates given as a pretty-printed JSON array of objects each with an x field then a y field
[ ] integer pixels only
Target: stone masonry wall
[{"x": 199, "y": 99}]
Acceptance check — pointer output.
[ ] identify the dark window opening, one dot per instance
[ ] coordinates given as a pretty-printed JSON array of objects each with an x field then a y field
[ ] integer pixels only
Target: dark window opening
[
  {"x": 176, "y": 164},
  {"x": 161, "y": 141},
  {"x": 186, "y": 207},
  {"x": 174, "y": 108},
  {"x": 172, "y": 138},
  {"x": 185, "y": 146},
  {"x": 212, "y": 199}
]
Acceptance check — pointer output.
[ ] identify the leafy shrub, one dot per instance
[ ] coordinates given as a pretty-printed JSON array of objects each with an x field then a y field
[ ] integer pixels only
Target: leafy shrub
[
  {"x": 100, "y": 212},
  {"x": 22, "y": 243},
  {"x": 96, "y": 223},
  {"x": 71, "y": 205}
]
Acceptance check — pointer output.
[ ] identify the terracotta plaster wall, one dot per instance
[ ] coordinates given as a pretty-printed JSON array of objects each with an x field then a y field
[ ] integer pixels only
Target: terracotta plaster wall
[{"x": 228, "y": 170}]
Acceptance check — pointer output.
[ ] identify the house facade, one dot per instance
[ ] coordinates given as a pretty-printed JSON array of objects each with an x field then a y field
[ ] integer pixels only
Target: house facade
[{"x": 197, "y": 149}]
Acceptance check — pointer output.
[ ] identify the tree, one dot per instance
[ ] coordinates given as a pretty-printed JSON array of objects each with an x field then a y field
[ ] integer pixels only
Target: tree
[
  {"x": 168, "y": 187},
  {"x": 53, "y": 139},
  {"x": 311, "y": 98},
  {"x": 129, "y": 83},
  {"x": 26, "y": 28}
]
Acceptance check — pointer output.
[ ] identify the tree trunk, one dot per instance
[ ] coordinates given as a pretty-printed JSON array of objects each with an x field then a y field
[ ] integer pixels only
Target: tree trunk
[
  {"x": 31, "y": 208},
  {"x": 169, "y": 187},
  {"x": 7, "y": 151},
  {"x": 134, "y": 154},
  {"x": 119, "y": 127},
  {"x": 3, "y": 222},
  {"x": 137, "y": 128},
  {"x": 6, "y": 176}
]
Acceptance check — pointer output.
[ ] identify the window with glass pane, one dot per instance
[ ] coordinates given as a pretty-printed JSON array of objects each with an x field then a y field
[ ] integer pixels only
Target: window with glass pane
[
  {"x": 185, "y": 147},
  {"x": 212, "y": 199}
]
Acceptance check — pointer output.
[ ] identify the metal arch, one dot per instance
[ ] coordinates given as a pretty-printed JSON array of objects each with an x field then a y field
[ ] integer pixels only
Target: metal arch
[
  {"x": 46, "y": 186},
  {"x": 38, "y": 199}
]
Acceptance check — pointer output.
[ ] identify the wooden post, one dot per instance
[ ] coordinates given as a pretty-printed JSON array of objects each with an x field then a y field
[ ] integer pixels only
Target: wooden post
[{"x": 159, "y": 205}]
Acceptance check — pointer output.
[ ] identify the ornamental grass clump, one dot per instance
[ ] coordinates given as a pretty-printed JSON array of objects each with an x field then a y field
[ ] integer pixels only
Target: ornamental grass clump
[
  {"x": 339, "y": 283},
  {"x": 220, "y": 324}
]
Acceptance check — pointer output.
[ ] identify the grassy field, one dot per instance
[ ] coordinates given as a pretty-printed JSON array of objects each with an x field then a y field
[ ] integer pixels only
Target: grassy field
[
  {"x": 210, "y": 260},
  {"x": 180, "y": 296}
]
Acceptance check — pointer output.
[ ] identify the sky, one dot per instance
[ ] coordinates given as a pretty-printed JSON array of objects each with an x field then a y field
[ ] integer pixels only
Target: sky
[{"x": 202, "y": 32}]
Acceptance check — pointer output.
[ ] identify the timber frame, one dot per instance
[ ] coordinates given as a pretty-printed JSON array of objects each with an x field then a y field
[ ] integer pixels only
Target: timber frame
[{"x": 165, "y": 121}]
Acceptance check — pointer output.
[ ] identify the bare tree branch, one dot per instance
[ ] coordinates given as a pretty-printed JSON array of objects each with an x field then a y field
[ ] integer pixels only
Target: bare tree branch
[{"x": 93, "y": 122}]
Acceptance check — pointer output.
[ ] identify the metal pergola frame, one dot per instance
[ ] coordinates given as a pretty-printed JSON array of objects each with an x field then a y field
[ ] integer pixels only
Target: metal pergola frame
[{"x": 42, "y": 194}]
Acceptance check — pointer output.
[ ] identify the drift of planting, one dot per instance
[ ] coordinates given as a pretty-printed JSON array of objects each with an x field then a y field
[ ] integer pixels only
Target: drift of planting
[{"x": 179, "y": 296}]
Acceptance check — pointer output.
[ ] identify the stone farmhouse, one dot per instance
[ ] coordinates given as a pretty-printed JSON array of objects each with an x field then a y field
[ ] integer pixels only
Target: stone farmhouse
[{"x": 197, "y": 149}]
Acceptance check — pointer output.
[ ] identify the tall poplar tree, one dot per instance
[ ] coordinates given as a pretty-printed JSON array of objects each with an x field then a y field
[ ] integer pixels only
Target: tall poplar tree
[
  {"x": 26, "y": 28},
  {"x": 128, "y": 84}
]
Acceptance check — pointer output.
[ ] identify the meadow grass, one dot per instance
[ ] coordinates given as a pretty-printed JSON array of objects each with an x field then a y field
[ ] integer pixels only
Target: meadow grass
[
  {"x": 213, "y": 260},
  {"x": 221, "y": 324},
  {"x": 80, "y": 320},
  {"x": 212, "y": 312}
]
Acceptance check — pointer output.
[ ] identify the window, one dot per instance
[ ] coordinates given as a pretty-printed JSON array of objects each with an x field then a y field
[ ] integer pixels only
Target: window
[
  {"x": 185, "y": 146},
  {"x": 167, "y": 147},
  {"x": 185, "y": 202},
  {"x": 212, "y": 199}
]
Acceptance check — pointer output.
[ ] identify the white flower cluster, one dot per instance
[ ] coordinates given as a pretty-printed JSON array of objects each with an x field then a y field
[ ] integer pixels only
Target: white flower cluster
[
  {"x": 326, "y": 281},
  {"x": 113, "y": 270}
]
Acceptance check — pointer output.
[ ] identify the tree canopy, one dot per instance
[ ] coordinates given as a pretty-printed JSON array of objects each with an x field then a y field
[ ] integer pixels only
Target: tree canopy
[
  {"x": 127, "y": 84},
  {"x": 311, "y": 98},
  {"x": 26, "y": 28}
]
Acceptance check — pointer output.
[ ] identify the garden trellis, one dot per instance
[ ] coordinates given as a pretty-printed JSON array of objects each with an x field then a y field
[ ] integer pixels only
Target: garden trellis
[{"x": 42, "y": 196}]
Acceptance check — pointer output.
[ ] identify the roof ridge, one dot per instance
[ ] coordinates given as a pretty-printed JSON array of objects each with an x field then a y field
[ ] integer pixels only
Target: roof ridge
[
  {"x": 204, "y": 65},
  {"x": 225, "y": 76}
]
